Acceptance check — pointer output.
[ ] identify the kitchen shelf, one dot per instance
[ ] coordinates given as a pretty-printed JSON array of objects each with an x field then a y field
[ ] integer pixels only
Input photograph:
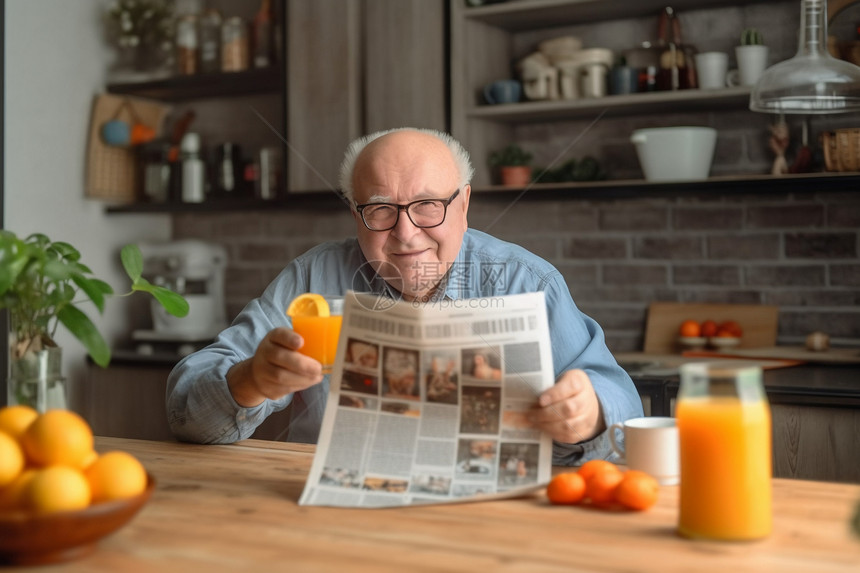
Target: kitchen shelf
[
  {"x": 204, "y": 86},
  {"x": 520, "y": 15},
  {"x": 616, "y": 105},
  {"x": 592, "y": 190}
]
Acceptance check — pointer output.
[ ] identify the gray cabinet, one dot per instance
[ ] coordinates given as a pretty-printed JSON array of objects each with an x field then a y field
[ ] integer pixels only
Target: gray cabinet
[{"x": 354, "y": 67}]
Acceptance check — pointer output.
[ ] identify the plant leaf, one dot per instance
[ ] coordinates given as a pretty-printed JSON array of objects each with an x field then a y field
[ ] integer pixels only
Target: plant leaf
[
  {"x": 84, "y": 330},
  {"x": 95, "y": 289},
  {"x": 132, "y": 261},
  {"x": 172, "y": 302}
]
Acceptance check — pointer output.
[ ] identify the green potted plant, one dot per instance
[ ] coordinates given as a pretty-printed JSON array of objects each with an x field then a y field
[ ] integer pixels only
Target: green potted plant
[
  {"x": 513, "y": 164},
  {"x": 41, "y": 285},
  {"x": 751, "y": 55}
]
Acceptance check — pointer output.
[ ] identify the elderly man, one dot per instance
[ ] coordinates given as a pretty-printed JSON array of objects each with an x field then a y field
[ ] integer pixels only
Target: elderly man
[{"x": 409, "y": 191}]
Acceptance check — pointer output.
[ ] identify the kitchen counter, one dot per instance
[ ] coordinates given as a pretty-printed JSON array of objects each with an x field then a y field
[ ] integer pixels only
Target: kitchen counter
[
  {"x": 802, "y": 384},
  {"x": 234, "y": 508}
]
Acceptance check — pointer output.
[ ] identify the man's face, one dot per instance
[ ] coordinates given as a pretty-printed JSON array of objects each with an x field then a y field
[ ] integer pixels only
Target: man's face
[{"x": 400, "y": 168}]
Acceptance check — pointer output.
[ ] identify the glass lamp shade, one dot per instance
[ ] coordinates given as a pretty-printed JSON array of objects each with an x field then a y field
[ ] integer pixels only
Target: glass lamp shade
[{"x": 812, "y": 82}]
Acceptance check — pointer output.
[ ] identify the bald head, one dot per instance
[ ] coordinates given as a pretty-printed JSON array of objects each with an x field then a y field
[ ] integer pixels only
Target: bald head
[{"x": 401, "y": 150}]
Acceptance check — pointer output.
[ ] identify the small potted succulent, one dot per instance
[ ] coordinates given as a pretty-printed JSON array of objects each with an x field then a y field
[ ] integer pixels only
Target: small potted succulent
[
  {"x": 751, "y": 55},
  {"x": 513, "y": 164},
  {"x": 41, "y": 285}
]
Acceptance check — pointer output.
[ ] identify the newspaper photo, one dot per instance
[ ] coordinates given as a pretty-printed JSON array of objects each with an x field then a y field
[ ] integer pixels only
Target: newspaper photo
[{"x": 429, "y": 402}]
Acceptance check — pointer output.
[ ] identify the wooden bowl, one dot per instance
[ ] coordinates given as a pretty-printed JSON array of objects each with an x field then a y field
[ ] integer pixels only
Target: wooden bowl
[{"x": 31, "y": 539}]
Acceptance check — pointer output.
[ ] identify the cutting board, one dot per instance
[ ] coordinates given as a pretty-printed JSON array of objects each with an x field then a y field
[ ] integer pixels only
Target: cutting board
[{"x": 758, "y": 321}]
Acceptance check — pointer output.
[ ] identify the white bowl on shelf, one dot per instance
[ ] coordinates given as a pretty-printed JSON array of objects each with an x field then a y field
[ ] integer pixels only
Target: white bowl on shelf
[
  {"x": 692, "y": 342},
  {"x": 675, "y": 153},
  {"x": 724, "y": 341}
]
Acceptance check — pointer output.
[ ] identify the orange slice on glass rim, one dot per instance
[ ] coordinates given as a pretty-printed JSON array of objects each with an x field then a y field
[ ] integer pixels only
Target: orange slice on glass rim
[{"x": 308, "y": 304}]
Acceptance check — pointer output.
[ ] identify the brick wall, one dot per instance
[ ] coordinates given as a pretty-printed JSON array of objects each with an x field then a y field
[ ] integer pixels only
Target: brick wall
[{"x": 800, "y": 252}]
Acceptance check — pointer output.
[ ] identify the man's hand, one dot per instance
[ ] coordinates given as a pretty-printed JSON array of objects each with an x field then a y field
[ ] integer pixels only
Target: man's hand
[
  {"x": 275, "y": 370},
  {"x": 569, "y": 411}
]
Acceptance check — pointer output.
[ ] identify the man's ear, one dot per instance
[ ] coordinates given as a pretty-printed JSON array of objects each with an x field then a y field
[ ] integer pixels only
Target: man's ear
[{"x": 467, "y": 194}]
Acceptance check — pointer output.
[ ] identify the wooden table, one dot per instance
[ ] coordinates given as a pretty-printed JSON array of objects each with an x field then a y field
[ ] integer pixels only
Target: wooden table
[{"x": 235, "y": 508}]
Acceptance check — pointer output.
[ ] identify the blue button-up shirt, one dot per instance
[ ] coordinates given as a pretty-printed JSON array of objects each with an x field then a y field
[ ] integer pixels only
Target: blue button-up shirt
[{"x": 201, "y": 409}]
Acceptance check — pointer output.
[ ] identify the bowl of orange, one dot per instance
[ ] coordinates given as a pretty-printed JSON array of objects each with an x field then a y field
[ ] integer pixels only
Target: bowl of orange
[
  {"x": 30, "y": 538},
  {"x": 58, "y": 496}
]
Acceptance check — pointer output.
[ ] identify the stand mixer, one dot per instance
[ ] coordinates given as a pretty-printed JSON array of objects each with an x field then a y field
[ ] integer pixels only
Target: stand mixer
[{"x": 195, "y": 269}]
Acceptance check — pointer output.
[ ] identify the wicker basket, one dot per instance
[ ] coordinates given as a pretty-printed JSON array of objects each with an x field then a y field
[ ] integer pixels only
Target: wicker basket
[{"x": 841, "y": 149}]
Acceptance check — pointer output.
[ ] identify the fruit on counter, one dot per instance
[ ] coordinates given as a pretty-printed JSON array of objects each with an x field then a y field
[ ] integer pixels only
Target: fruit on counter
[
  {"x": 690, "y": 329},
  {"x": 58, "y": 437},
  {"x": 637, "y": 490},
  {"x": 566, "y": 489},
  {"x": 115, "y": 475},
  {"x": 818, "y": 342},
  {"x": 709, "y": 328},
  {"x": 730, "y": 328},
  {"x": 601, "y": 483},
  {"x": 15, "y": 419},
  {"x": 50, "y": 465}
]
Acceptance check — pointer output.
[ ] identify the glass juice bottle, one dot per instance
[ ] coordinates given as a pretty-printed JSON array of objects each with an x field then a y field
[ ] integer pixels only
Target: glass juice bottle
[{"x": 724, "y": 427}]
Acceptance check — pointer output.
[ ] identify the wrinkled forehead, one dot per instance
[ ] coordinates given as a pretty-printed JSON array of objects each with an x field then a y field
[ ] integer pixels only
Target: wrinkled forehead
[{"x": 402, "y": 167}]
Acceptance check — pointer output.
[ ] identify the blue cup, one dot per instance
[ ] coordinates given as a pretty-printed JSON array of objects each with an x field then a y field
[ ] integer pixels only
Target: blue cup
[
  {"x": 623, "y": 80},
  {"x": 503, "y": 91}
]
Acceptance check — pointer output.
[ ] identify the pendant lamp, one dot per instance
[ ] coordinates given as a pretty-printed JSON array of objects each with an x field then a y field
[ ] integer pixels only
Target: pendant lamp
[{"x": 813, "y": 81}]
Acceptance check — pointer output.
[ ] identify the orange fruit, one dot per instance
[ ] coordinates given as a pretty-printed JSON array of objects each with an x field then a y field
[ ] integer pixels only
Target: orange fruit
[
  {"x": 600, "y": 488},
  {"x": 731, "y": 327},
  {"x": 690, "y": 329},
  {"x": 12, "y": 496},
  {"x": 11, "y": 459},
  {"x": 709, "y": 328},
  {"x": 15, "y": 419},
  {"x": 637, "y": 490},
  {"x": 566, "y": 489},
  {"x": 593, "y": 467},
  {"x": 58, "y": 437},
  {"x": 57, "y": 488},
  {"x": 115, "y": 475},
  {"x": 308, "y": 304}
]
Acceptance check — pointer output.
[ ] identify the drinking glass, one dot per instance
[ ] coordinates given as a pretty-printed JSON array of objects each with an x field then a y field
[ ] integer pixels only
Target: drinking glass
[
  {"x": 321, "y": 333},
  {"x": 724, "y": 428}
]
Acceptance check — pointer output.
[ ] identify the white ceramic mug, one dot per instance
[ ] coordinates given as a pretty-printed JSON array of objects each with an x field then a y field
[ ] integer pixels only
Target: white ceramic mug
[
  {"x": 650, "y": 445},
  {"x": 711, "y": 68}
]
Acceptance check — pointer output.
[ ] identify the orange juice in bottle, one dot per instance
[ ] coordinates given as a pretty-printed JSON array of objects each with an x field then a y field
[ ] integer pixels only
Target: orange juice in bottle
[{"x": 724, "y": 428}]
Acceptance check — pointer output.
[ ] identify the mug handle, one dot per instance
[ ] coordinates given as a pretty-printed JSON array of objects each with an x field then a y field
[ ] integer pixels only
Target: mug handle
[
  {"x": 488, "y": 94},
  {"x": 733, "y": 78},
  {"x": 615, "y": 447}
]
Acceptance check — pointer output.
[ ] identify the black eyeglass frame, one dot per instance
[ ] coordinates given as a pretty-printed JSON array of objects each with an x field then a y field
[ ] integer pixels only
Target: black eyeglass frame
[{"x": 445, "y": 203}]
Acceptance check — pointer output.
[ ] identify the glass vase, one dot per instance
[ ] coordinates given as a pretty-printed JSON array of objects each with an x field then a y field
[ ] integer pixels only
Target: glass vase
[{"x": 37, "y": 380}]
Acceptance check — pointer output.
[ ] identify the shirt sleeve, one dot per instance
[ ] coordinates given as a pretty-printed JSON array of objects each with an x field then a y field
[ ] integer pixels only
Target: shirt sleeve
[
  {"x": 200, "y": 407},
  {"x": 578, "y": 343}
]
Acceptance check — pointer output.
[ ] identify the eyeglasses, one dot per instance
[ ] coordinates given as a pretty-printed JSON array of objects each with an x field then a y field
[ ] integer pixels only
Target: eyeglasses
[{"x": 424, "y": 213}]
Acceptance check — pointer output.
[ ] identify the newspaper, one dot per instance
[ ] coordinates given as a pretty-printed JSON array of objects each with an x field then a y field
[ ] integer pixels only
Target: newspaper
[{"x": 428, "y": 403}]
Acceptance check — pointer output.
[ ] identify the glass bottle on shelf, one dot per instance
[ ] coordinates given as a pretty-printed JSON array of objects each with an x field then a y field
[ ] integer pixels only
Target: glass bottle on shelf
[
  {"x": 187, "y": 46},
  {"x": 234, "y": 45},
  {"x": 210, "y": 41},
  {"x": 264, "y": 36}
]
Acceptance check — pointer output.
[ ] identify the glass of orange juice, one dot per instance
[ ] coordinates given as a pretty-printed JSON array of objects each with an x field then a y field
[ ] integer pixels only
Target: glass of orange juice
[
  {"x": 320, "y": 328},
  {"x": 724, "y": 429}
]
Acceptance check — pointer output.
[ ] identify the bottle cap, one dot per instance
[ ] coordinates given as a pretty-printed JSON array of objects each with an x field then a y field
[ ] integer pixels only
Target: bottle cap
[{"x": 190, "y": 143}]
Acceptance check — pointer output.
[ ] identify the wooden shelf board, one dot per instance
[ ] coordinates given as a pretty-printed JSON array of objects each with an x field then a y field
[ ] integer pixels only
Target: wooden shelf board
[
  {"x": 616, "y": 105},
  {"x": 203, "y": 86},
  {"x": 603, "y": 190},
  {"x": 518, "y": 15}
]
